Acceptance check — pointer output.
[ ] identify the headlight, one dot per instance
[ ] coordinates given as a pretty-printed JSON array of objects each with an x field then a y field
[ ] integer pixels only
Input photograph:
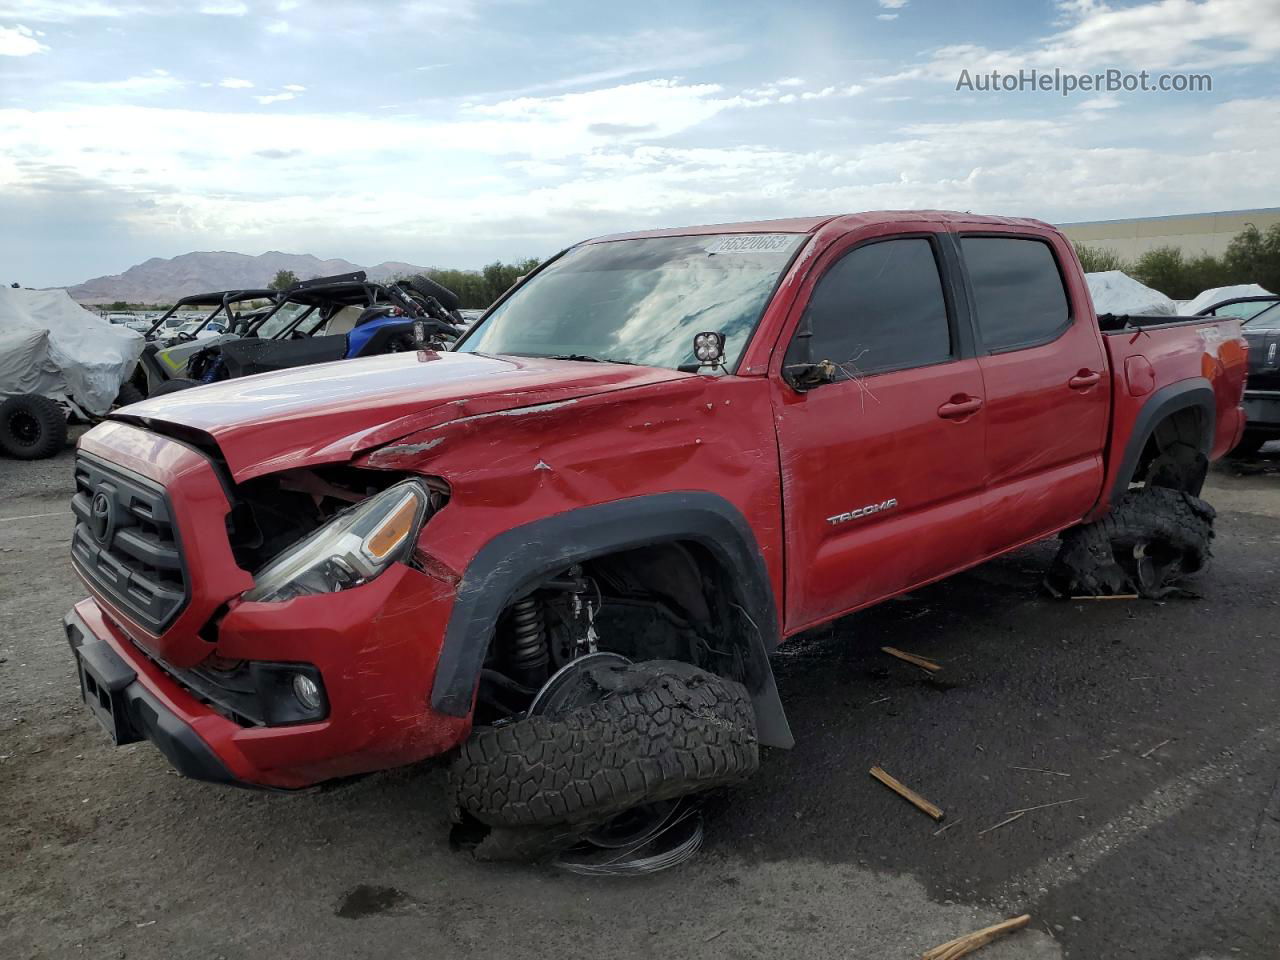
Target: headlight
[{"x": 351, "y": 549}]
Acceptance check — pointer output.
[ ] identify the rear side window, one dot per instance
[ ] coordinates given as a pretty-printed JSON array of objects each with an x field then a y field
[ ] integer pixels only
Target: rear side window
[
  {"x": 880, "y": 307},
  {"x": 1017, "y": 289}
]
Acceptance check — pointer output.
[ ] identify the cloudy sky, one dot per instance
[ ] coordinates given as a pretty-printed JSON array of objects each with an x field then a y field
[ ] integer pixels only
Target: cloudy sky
[{"x": 451, "y": 132}]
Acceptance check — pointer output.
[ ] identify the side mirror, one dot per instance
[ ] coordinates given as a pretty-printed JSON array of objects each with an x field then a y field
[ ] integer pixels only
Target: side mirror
[{"x": 806, "y": 376}]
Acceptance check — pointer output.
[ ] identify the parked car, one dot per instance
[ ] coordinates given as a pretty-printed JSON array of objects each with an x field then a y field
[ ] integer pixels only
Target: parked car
[
  {"x": 1262, "y": 391},
  {"x": 567, "y": 547}
]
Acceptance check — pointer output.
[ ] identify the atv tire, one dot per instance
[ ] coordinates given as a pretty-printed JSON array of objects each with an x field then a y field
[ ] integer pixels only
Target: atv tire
[
  {"x": 1151, "y": 539},
  {"x": 665, "y": 729},
  {"x": 174, "y": 385},
  {"x": 129, "y": 393},
  {"x": 32, "y": 427},
  {"x": 427, "y": 287}
]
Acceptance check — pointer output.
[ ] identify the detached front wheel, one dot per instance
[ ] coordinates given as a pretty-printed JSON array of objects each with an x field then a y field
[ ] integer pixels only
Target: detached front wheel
[
  {"x": 654, "y": 732},
  {"x": 1149, "y": 541}
]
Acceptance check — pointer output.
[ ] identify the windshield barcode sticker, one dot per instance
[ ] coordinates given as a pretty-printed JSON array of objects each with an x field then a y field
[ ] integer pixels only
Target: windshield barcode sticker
[{"x": 753, "y": 243}]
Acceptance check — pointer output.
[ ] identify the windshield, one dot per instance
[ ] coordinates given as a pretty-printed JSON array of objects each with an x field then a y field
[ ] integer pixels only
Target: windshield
[
  {"x": 282, "y": 318},
  {"x": 1269, "y": 319},
  {"x": 640, "y": 301}
]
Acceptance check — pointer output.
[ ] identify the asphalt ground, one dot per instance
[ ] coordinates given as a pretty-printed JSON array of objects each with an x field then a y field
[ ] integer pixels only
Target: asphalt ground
[{"x": 1152, "y": 728}]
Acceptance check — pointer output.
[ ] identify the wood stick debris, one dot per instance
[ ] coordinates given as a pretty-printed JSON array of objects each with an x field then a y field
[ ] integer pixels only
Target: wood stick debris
[
  {"x": 1110, "y": 596},
  {"x": 1155, "y": 748},
  {"x": 911, "y": 658},
  {"x": 1055, "y": 773},
  {"x": 1045, "y": 806},
  {"x": 938, "y": 833},
  {"x": 1007, "y": 820},
  {"x": 919, "y": 802},
  {"x": 962, "y": 946}
]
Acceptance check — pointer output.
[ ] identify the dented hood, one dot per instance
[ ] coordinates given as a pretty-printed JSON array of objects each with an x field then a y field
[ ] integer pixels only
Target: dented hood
[{"x": 329, "y": 412}]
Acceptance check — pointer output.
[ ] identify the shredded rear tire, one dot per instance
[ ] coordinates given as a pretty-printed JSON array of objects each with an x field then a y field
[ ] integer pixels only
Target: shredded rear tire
[
  {"x": 1150, "y": 540},
  {"x": 665, "y": 730}
]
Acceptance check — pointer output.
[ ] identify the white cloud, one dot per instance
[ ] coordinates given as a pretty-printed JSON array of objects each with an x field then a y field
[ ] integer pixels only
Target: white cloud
[
  {"x": 566, "y": 166},
  {"x": 893, "y": 4},
  {"x": 19, "y": 41},
  {"x": 1155, "y": 35},
  {"x": 57, "y": 11},
  {"x": 294, "y": 87},
  {"x": 278, "y": 26},
  {"x": 886, "y": 16},
  {"x": 224, "y": 8},
  {"x": 153, "y": 84},
  {"x": 275, "y": 97},
  {"x": 1107, "y": 102},
  {"x": 235, "y": 83}
]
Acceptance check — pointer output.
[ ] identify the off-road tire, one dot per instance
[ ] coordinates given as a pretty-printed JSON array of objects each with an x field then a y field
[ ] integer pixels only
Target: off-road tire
[
  {"x": 1089, "y": 562},
  {"x": 32, "y": 427},
  {"x": 438, "y": 291},
  {"x": 174, "y": 385},
  {"x": 129, "y": 393},
  {"x": 665, "y": 730}
]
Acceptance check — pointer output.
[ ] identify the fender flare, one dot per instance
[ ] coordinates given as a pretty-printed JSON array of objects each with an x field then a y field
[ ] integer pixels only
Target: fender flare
[
  {"x": 518, "y": 559},
  {"x": 1195, "y": 393}
]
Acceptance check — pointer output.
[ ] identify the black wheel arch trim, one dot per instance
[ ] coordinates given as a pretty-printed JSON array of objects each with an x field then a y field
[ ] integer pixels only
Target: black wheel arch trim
[
  {"x": 1195, "y": 393},
  {"x": 519, "y": 559}
]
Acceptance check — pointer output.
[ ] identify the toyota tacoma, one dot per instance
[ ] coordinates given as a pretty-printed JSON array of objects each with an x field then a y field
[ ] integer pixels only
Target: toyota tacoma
[{"x": 560, "y": 553}]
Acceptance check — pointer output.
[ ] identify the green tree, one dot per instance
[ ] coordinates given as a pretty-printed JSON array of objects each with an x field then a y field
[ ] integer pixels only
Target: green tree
[
  {"x": 118, "y": 306},
  {"x": 284, "y": 280},
  {"x": 477, "y": 289},
  {"x": 1099, "y": 259},
  {"x": 1254, "y": 257}
]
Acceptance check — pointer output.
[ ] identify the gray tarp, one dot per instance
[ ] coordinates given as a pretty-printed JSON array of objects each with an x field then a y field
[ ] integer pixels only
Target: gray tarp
[
  {"x": 1114, "y": 291},
  {"x": 52, "y": 346}
]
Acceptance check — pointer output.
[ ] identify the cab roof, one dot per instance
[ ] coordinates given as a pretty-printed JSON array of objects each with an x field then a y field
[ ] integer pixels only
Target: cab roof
[{"x": 811, "y": 225}]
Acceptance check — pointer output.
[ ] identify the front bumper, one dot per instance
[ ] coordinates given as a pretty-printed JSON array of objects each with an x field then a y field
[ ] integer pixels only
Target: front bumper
[
  {"x": 130, "y": 712},
  {"x": 375, "y": 646},
  {"x": 1262, "y": 410}
]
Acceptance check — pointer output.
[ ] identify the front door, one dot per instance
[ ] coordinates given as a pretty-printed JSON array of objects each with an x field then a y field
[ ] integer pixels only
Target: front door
[{"x": 882, "y": 469}]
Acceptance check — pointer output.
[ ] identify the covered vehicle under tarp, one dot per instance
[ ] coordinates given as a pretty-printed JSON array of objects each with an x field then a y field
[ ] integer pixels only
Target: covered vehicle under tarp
[
  {"x": 53, "y": 347},
  {"x": 1216, "y": 295},
  {"x": 1114, "y": 291}
]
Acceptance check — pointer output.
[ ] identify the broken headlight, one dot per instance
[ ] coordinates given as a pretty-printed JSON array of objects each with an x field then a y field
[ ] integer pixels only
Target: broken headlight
[{"x": 351, "y": 549}]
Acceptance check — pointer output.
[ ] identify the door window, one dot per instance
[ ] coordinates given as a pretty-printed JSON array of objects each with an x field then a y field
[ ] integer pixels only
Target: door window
[
  {"x": 880, "y": 307},
  {"x": 1017, "y": 289}
]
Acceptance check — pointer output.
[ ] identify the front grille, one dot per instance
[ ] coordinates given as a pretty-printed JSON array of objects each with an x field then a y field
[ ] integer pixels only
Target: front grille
[{"x": 126, "y": 542}]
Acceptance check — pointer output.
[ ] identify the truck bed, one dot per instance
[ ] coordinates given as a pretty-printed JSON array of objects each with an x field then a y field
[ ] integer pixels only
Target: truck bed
[{"x": 1168, "y": 352}]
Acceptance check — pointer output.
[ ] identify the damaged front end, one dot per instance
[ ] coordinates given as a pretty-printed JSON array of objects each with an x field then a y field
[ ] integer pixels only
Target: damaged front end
[{"x": 298, "y": 632}]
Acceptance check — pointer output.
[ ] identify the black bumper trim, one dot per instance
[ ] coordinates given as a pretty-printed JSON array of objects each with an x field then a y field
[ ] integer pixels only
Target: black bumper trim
[{"x": 138, "y": 714}]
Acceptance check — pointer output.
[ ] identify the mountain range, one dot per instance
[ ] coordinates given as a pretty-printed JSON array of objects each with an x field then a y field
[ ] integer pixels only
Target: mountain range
[{"x": 162, "y": 281}]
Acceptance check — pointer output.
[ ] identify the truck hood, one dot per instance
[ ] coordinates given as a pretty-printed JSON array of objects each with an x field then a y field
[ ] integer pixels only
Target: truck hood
[{"x": 330, "y": 412}]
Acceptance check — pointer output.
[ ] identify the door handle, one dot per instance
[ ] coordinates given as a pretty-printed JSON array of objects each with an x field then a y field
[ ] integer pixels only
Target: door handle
[
  {"x": 959, "y": 407},
  {"x": 1084, "y": 380}
]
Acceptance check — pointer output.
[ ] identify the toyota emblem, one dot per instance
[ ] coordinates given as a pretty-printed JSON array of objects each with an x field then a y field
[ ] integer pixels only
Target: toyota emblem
[{"x": 100, "y": 518}]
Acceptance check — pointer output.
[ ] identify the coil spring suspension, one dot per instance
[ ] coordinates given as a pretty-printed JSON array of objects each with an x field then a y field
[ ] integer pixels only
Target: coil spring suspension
[{"x": 529, "y": 654}]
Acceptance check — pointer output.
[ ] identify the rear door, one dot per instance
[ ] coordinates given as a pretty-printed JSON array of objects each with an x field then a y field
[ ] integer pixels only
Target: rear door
[
  {"x": 1048, "y": 393},
  {"x": 883, "y": 468}
]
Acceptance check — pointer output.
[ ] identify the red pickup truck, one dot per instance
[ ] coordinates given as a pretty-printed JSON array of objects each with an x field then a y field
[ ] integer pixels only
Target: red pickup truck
[{"x": 561, "y": 552}]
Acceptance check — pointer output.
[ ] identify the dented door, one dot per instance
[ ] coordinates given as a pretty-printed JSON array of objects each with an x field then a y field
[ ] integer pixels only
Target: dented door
[{"x": 883, "y": 468}]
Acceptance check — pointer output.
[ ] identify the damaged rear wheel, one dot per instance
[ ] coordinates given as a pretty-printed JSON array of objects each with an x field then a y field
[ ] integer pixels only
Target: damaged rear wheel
[
  {"x": 624, "y": 741},
  {"x": 1149, "y": 541}
]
